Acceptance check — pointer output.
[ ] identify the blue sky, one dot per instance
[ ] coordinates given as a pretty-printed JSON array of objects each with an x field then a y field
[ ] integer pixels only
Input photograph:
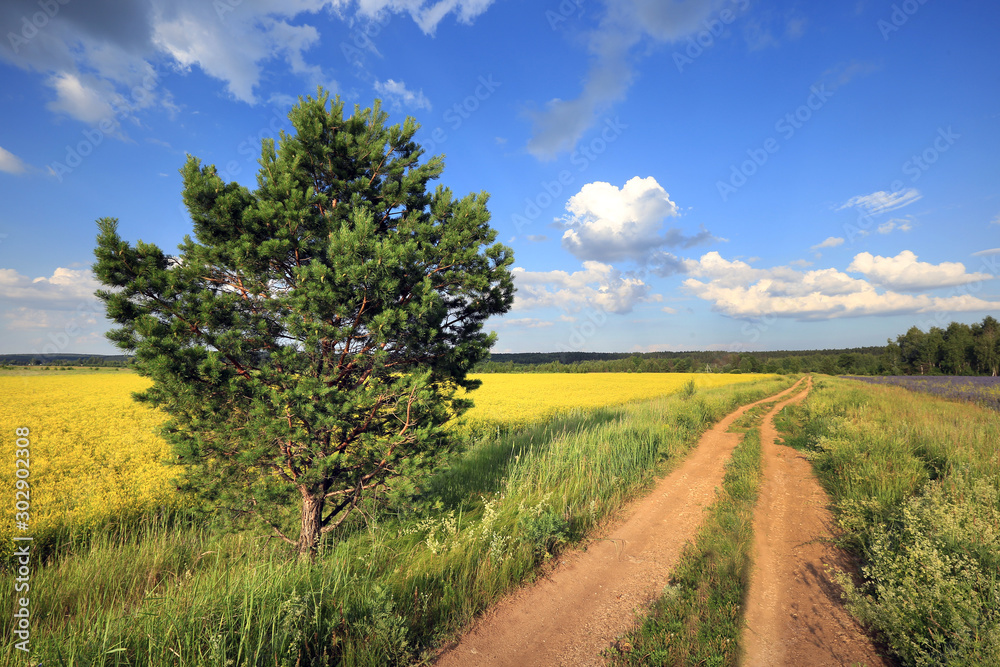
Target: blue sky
[{"x": 705, "y": 174}]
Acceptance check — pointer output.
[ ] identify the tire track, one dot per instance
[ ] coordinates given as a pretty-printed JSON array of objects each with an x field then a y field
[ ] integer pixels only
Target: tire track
[{"x": 794, "y": 612}]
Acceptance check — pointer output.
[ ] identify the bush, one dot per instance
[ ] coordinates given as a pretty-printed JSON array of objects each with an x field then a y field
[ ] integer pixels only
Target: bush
[{"x": 932, "y": 577}]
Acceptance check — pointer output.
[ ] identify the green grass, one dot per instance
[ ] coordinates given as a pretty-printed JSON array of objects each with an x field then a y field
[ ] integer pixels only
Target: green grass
[
  {"x": 699, "y": 617},
  {"x": 383, "y": 593},
  {"x": 915, "y": 481}
]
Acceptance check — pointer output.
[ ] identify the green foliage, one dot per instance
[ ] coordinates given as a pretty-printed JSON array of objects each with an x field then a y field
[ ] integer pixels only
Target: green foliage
[
  {"x": 958, "y": 350},
  {"x": 543, "y": 529},
  {"x": 931, "y": 582},
  {"x": 307, "y": 343},
  {"x": 689, "y": 389}
]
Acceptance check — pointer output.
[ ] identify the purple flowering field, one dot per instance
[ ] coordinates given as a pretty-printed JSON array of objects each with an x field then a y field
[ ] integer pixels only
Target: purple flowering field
[{"x": 982, "y": 389}]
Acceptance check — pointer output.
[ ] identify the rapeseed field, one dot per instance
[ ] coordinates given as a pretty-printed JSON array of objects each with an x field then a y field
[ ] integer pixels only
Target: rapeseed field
[
  {"x": 94, "y": 452},
  {"x": 96, "y": 456},
  {"x": 514, "y": 400}
]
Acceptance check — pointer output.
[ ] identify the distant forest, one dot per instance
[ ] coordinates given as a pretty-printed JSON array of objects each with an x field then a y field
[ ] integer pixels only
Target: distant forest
[
  {"x": 65, "y": 359},
  {"x": 959, "y": 349}
]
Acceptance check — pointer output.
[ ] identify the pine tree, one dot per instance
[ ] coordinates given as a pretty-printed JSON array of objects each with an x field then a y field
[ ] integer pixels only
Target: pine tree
[{"x": 307, "y": 342}]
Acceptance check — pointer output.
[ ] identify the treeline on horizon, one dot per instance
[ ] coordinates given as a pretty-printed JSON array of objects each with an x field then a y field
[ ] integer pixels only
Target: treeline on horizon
[
  {"x": 65, "y": 359},
  {"x": 959, "y": 349}
]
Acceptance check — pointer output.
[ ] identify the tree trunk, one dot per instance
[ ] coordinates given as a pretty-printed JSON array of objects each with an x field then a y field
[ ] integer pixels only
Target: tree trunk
[{"x": 309, "y": 532}]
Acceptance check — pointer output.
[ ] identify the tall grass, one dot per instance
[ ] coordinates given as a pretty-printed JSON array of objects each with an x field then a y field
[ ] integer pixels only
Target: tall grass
[
  {"x": 381, "y": 594},
  {"x": 915, "y": 481}
]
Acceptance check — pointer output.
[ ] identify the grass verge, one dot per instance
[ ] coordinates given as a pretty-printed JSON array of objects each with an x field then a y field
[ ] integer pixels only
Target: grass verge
[{"x": 915, "y": 483}]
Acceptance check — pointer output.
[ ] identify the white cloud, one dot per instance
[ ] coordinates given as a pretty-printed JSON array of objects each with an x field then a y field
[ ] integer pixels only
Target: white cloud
[
  {"x": 882, "y": 201},
  {"x": 425, "y": 14},
  {"x": 895, "y": 224},
  {"x": 85, "y": 98},
  {"x": 10, "y": 163},
  {"x": 830, "y": 242},
  {"x": 903, "y": 272},
  {"x": 984, "y": 253},
  {"x": 738, "y": 290},
  {"x": 560, "y": 123},
  {"x": 596, "y": 286},
  {"x": 606, "y": 223},
  {"x": 996, "y": 220},
  {"x": 95, "y": 54},
  {"x": 64, "y": 288},
  {"x": 398, "y": 95},
  {"x": 524, "y": 323},
  {"x": 34, "y": 319},
  {"x": 232, "y": 49}
]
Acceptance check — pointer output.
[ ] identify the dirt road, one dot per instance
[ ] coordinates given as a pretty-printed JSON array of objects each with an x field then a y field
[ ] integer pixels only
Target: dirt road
[
  {"x": 590, "y": 597},
  {"x": 794, "y": 614}
]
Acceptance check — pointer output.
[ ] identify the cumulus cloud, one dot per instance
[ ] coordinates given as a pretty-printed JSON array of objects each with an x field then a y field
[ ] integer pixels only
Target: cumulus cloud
[
  {"x": 596, "y": 286},
  {"x": 607, "y": 224},
  {"x": 903, "y": 272},
  {"x": 10, "y": 163},
  {"x": 882, "y": 201},
  {"x": 560, "y": 123},
  {"x": 739, "y": 290},
  {"x": 396, "y": 93},
  {"x": 64, "y": 288}
]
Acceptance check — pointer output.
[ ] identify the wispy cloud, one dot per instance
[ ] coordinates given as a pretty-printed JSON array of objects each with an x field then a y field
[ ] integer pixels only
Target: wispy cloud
[
  {"x": 10, "y": 163},
  {"x": 896, "y": 224},
  {"x": 882, "y": 201},
  {"x": 830, "y": 242},
  {"x": 396, "y": 93},
  {"x": 560, "y": 123}
]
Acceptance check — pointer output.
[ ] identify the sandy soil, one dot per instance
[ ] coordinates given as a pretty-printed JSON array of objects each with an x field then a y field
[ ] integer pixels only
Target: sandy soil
[
  {"x": 794, "y": 612},
  {"x": 591, "y": 596}
]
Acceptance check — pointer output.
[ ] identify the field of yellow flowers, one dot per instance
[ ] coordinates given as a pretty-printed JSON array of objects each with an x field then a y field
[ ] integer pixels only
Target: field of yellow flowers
[
  {"x": 514, "y": 400},
  {"x": 95, "y": 454}
]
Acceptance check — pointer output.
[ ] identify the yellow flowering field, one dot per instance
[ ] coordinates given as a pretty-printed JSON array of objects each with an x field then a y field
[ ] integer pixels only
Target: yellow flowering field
[
  {"x": 518, "y": 399},
  {"x": 94, "y": 452}
]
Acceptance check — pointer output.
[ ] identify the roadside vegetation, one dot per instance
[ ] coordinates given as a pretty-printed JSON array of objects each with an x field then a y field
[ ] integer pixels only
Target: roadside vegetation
[
  {"x": 915, "y": 483},
  {"x": 384, "y": 590}
]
